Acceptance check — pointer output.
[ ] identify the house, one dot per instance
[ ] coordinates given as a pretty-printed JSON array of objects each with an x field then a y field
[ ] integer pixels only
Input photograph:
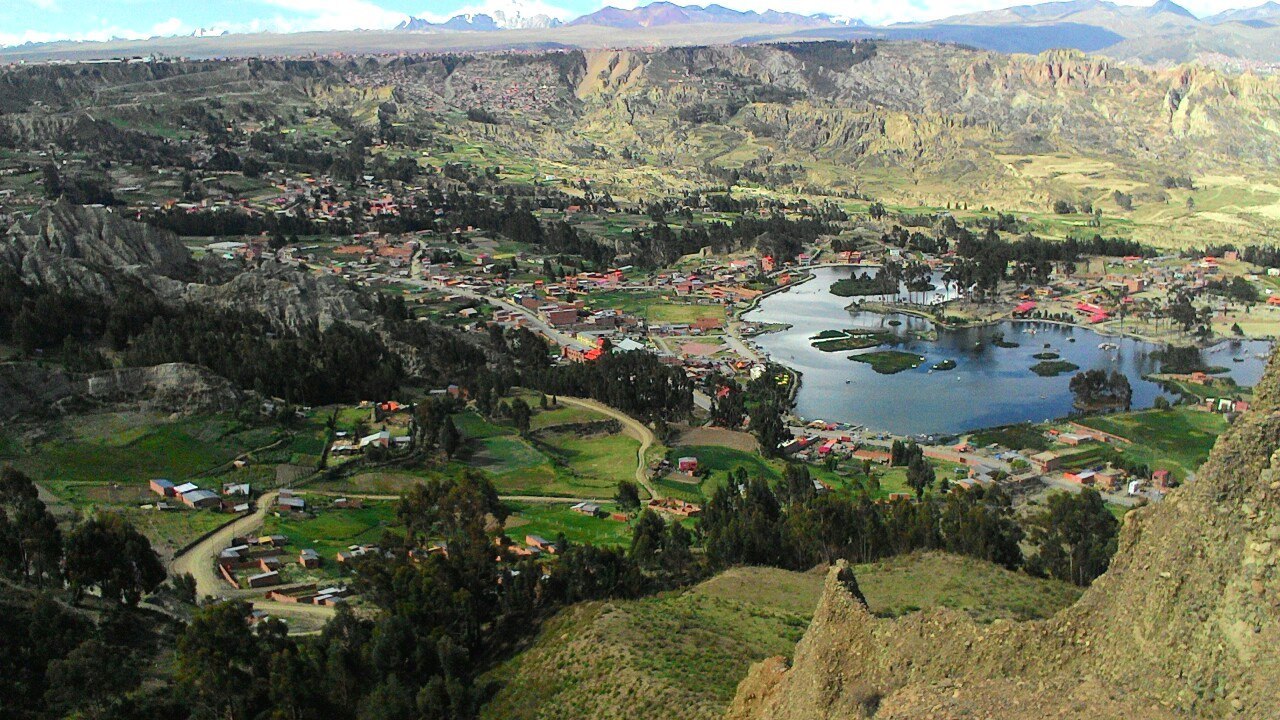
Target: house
[
  {"x": 687, "y": 465},
  {"x": 185, "y": 488},
  {"x": 162, "y": 487},
  {"x": 236, "y": 489},
  {"x": 1160, "y": 478},
  {"x": 382, "y": 438},
  {"x": 1024, "y": 309},
  {"x": 201, "y": 499},
  {"x": 586, "y": 508},
  {"x": 291, "y": 503},
  {"x": 265, "y": 579},
  {"x": 1047, "y": 461},
  {"x": 1082, "y": 477},
  {"x": 537, "y": 542},
  {"x": 309, "y": 558}
]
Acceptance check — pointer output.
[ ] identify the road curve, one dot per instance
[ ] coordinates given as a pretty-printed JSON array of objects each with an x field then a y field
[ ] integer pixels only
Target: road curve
[
  {"x": 632, "y": 427},
  {"x": 200, "y": 559}
]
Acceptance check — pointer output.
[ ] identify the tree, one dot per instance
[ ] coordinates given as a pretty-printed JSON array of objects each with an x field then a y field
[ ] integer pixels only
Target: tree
[
  {"x": 628, "y": 496},
  {"x": 647, "y": 540},
  {"x": 1074, "y": 537},
  {"x": 215, "y": 660},
  {"x": 920, "y": 475},
  {"x": 766, "y": 423},
  {"x": 521, "y": 414},
  {"x": 107, "y": 552},
  {"x": 90, "y": 679},
  {"x": 450, "y": 438}
]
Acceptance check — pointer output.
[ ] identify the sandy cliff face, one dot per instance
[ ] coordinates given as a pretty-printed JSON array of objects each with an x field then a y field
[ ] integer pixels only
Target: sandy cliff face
[{"x": 1185, "y": 624}]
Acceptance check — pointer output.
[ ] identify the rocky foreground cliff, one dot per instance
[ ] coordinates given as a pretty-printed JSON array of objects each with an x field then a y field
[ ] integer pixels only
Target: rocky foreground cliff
[{"x": 1185, "y": 624}]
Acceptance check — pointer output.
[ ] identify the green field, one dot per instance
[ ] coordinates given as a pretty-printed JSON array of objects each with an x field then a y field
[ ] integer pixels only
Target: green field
[
  {"x": 1177, "y": 440},
  {"x": 550, "y": 462},
  {"x": 600, "y": 462},
  {"x": 331, "y": 530},
  {"x": 112, "y": 457},
  {"x": 550, "y": 520},
  {"x": 1015, "y": 437}
]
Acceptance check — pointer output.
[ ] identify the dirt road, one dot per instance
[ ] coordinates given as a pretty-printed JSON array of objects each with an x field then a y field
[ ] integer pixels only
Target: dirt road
[
  {"x": 199, "y": 560},
  {"x": 632, "y": 427}
]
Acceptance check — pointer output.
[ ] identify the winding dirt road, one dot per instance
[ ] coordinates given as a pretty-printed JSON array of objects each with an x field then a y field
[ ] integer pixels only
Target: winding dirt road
[{"x": 632, "y": 427}]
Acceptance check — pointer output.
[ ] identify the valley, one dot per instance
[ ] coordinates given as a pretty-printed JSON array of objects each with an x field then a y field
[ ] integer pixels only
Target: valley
[{"x": 811, "y": 376}]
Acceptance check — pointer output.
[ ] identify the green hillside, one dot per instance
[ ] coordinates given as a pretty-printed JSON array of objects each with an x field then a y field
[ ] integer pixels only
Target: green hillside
[{"x": 682, "y": 654}]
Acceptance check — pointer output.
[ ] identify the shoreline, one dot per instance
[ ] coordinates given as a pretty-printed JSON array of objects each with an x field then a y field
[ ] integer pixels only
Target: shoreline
[{"x": 880, "y": 308}]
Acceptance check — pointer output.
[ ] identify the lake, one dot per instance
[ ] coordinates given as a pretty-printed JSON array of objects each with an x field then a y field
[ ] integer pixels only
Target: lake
[{"x": 989, "y": 386}]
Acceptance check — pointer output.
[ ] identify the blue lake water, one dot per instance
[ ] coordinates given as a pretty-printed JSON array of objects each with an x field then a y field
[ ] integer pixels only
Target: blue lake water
[{"x": 990, "y": 385}]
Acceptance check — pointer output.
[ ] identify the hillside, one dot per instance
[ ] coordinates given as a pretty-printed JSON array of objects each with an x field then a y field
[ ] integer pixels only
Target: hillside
[
  {"x": 682, "y": 654},
  {"x": 1183, "y": 625}
]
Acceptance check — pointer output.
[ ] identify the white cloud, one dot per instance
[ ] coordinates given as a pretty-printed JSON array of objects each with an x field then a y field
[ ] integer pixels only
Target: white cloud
[
  {"x": 334, "y": 15},
  {"x": 172, "y": 26}
]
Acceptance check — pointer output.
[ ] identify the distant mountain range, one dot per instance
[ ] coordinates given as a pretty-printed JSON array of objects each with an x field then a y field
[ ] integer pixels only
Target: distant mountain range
[
  {"x": 1162, "y": 33},
  {"x": 653, "y": 15}
]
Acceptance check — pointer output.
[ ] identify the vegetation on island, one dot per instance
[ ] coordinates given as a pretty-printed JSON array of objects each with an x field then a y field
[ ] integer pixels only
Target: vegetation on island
[
  {"x": 889, "y": 362},
  {"x": 1053, "y": 368}
]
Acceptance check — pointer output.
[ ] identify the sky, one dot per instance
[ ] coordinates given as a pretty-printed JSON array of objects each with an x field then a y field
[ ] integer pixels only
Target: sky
[{"x": 44, "y": 20}]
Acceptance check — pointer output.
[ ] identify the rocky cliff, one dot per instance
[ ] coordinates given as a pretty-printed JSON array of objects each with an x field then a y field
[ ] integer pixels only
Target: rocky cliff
[
  {"x": 89, "y": 250},
  {"x": 1185, "y": 624},
  {"x": 28, "y": 390}
]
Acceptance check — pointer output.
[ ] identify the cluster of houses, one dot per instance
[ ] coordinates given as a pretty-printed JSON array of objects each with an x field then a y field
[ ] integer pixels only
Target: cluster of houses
[{"x": 234, "y": 497}]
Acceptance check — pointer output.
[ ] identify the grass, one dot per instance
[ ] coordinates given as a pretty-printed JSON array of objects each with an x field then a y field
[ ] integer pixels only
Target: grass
[
  {"x": 1177, "y": 440},
  {"x": 563, "y": 415},
  {"x": 682, "y": 654},
  {"x": 549, "y": 520},
  {"x": 985, "y": 591},
  {"x": 849, "y": 340},
  {"x": 1024, "y": 436},
  {"x": 1053, "y": 368},
  {"x": 889, "y": 362},
  {"x": 329, "y": 532},
  {"x": 602, "y": 461},
  {"x": 92, "y": 457}
]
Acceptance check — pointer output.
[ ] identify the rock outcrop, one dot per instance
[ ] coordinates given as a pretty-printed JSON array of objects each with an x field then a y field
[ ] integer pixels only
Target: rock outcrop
[
  {"x": 1185, "y": 624},
  {"x": 28, "y": 390},
  {"x": 292, "y": 300},
  {"x": 89, "y": 250}
]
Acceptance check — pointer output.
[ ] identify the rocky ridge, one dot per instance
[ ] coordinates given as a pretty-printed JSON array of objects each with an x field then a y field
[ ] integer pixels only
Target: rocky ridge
[
  {"x": 1185, "y": 624},
  {"x": 90, "y": 250},
  {"x": 28, "y": 390}
]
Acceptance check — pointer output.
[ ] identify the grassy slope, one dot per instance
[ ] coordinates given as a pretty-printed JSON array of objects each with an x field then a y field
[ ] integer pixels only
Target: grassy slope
[{"x": 681, "y": 655}]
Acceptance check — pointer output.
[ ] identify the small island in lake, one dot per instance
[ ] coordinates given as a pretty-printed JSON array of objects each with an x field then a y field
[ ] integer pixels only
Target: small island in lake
[
  {"x": 838, "y": 340},
  {"x": 888, "y": 362},
  {"x": 865, "y": 284},
  {"x": 1053, "y": 368}
]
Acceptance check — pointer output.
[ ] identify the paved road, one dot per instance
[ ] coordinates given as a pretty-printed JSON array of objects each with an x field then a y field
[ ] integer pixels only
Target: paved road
[{"x": 632, "y": 427}]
